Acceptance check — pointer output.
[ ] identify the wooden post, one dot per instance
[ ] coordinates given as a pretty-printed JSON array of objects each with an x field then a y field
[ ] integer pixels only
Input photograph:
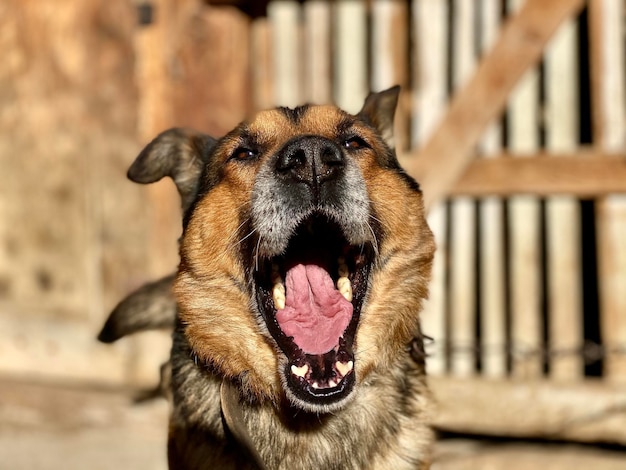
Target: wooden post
[
  {"x": 491, "y": 235},
  {"x": 524, "y": 213},
  {"x": 565, "y": 320},
  {"x": 285, "y": 22},
  {"x": 261, "y": 64},
  {"x": 390, "y": 42},
  {"x": 351, "y": 82},
  {"x": 463, "y": 219},
  {"x": 430, "y": 24},
  {"x": 318, "y": 55},
  {"x": 609, "y": 126}
]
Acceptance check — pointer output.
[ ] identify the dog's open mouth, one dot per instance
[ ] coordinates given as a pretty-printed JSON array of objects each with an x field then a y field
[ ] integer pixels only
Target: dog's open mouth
[{"x": 311, "y": 298}]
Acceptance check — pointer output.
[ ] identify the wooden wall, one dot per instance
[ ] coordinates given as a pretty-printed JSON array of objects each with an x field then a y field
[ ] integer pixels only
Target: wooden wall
[
  {"x": 82, "y": 87},
  {"x": 68, "y": 125}
]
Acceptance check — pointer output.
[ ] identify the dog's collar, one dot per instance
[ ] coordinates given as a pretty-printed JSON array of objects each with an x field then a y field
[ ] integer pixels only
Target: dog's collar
[{"x": 233, "y": 417}]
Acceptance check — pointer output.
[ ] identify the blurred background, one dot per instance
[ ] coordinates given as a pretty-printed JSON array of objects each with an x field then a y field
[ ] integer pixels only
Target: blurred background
[{"x": 512, "y": 116}]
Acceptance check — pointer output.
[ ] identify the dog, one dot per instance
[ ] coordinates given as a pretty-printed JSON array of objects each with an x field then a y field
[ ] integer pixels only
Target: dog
[{"x": 304, "y": 261}]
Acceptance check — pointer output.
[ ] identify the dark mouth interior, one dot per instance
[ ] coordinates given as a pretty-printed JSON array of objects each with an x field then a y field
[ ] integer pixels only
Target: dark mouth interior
[{"x": 314, "y": 314}]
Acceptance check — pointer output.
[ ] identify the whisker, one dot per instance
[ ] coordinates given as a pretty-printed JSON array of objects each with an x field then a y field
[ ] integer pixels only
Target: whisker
[
  {"x": 358, "y": 354},
  {"x": 236, "y": 231},
  {"x": 375, "y": 240},
  {"x": 245, "y": 237},
  {"x": 231, "y": 239},
  {"x": 375, "y": 218},
  {"x": 256, "y": 254},
  {"x": 241, "y": 225}
]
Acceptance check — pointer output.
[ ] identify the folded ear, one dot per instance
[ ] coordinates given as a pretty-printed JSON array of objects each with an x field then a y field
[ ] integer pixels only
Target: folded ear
[
  {"x": 178, "y": 153},
  {"x": 379, "y": 110}
]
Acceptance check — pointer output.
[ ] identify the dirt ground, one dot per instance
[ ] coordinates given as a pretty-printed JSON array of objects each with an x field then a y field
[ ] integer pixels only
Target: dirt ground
[{"x": 48, "y": 427}]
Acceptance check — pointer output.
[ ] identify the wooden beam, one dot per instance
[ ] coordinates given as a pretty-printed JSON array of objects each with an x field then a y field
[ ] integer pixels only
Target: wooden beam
[
  {"x": 584, "y": 411},
  {"x": 442, "y": 161},
  {"x": 542, "y": 175}
]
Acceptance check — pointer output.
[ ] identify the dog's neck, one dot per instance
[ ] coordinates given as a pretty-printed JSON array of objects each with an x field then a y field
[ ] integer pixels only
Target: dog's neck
[{"x": 234, "y": 420}]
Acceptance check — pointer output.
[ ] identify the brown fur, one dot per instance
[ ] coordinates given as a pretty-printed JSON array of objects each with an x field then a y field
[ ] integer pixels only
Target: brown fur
[{"x": 221, "y": 342}]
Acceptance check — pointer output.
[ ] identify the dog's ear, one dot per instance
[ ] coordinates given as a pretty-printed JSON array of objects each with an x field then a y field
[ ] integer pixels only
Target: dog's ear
[
  {"x": 151, "y": 307},
  {"x": 178, "y": 153},
  {"x": 379, "y": 110}
]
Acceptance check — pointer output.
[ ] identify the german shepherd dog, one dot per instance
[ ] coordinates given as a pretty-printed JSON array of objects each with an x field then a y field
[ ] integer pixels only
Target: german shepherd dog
[{"x": 304, "y": 260}]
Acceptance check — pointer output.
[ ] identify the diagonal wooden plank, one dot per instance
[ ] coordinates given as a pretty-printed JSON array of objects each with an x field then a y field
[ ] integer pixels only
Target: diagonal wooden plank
[{"x": 442, "y": 160}]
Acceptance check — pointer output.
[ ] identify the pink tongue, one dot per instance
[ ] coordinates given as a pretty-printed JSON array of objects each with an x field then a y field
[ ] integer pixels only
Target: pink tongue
[{"x": 315, "y": 313}]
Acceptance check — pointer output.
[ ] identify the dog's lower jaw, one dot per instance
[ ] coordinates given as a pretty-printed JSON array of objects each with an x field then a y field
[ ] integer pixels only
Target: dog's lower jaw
[{"x": 384, "y": 425}]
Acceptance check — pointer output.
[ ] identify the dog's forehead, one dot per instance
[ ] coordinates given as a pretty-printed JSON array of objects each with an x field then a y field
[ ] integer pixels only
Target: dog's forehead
[{"x": 283, "y": 123}]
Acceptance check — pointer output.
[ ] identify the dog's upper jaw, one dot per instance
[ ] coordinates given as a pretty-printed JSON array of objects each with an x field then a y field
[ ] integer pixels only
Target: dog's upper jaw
[{"x": 283, "y": 200}]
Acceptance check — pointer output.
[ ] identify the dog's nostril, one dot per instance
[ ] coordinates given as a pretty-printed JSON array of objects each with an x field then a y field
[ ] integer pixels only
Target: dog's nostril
[
  {"x": 292, "y": 160},
  {"x": 331, "y": 156}
]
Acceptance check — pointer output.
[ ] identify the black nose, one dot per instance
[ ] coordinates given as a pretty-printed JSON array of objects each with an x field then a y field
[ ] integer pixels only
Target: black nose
[{"x": 311, "y": 160}]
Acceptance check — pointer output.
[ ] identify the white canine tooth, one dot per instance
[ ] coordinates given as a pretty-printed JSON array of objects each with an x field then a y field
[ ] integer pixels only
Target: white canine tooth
[
  {"x": 332, "y": 383},
  {"x": 345, "y": 288},
  {"x": 315, "y": 385},
  {"x": 344, "y": 368},
  {"x": 299, "y": 371},
  {"x": 278, "y": 292}
]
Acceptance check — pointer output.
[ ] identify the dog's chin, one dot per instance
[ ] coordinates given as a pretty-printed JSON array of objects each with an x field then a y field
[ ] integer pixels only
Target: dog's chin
[{"x": 310, "y": 299}]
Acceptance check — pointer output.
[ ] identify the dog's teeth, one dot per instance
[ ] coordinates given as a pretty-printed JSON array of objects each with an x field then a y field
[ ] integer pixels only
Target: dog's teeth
[
  {"x": 345, "y": 288},
  {"x": 315, "y": 385},
  {"x": 332, "y": 383},
  {"x": 278, "y": 292},
  {"x": 299, "y": 371},
  {"x": 344, "y": 368},
  {"x": 343, "y": 267}
]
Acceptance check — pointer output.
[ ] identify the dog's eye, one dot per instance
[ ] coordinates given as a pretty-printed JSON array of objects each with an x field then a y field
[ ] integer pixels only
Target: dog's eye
[
  {"x": 242, "y": 153},
  {"x": 355, "y": 143}
]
